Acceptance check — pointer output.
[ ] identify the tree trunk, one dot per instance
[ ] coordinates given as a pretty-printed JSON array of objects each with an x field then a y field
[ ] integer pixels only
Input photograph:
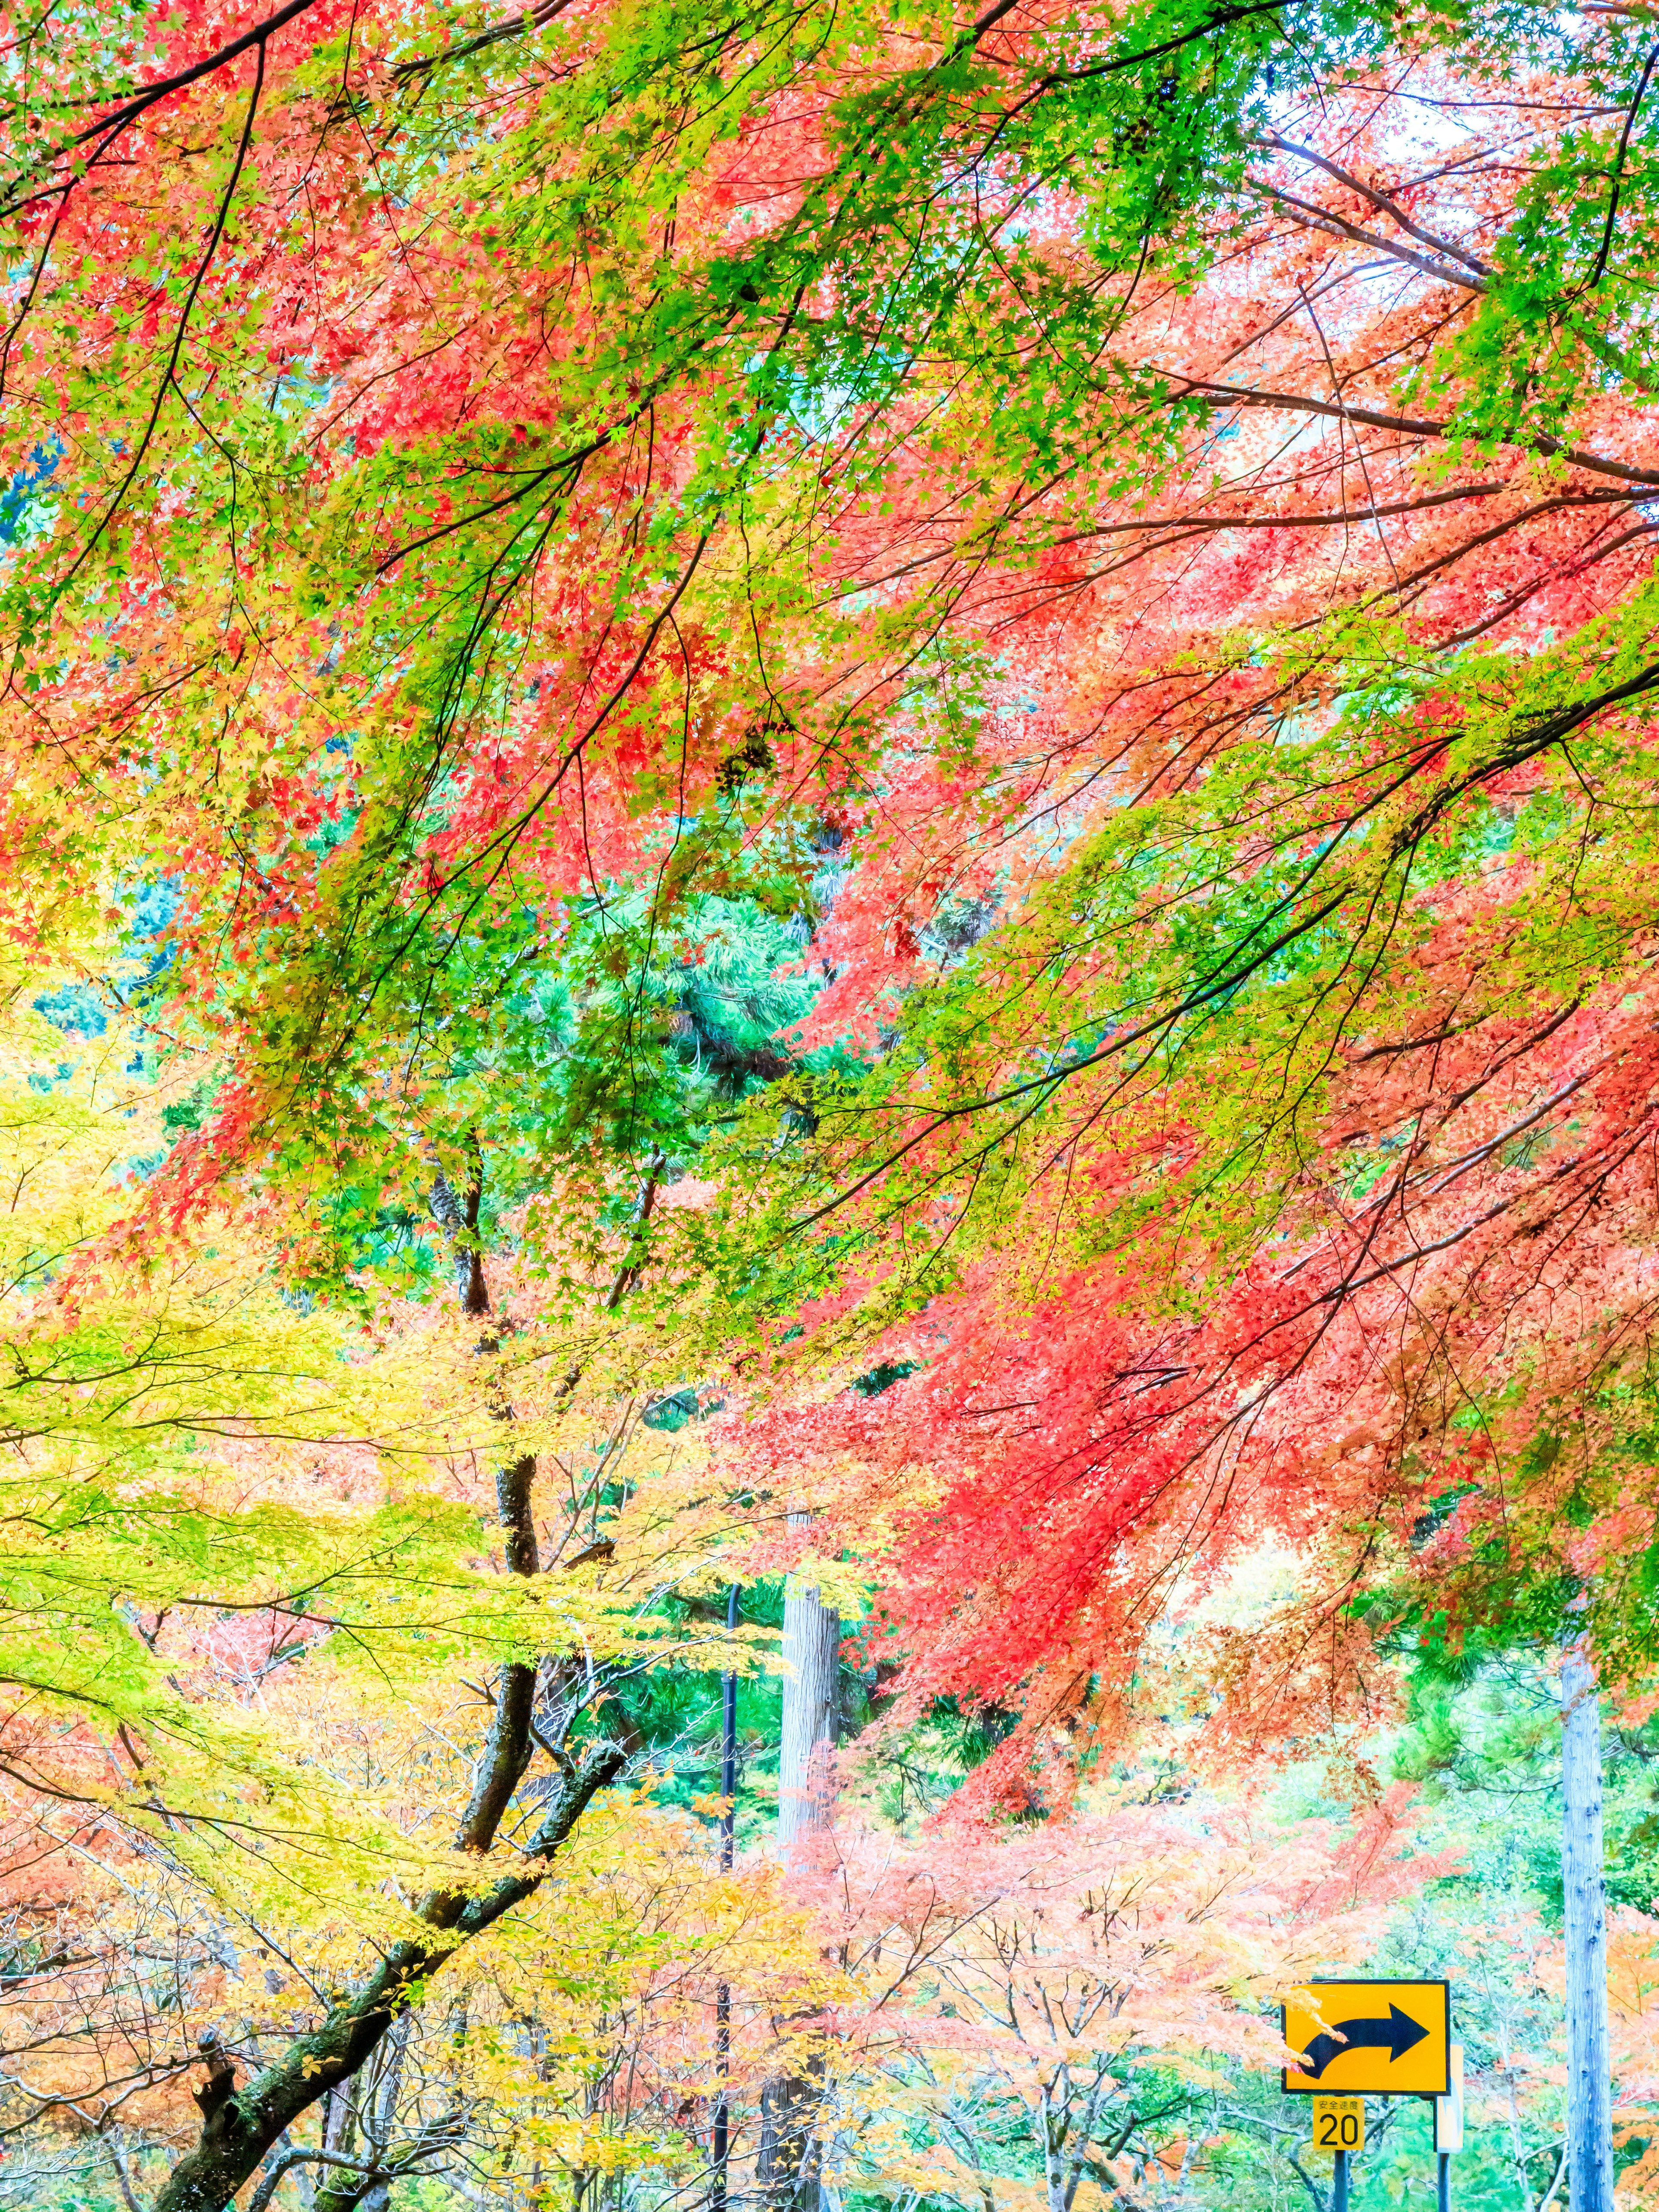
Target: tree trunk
[
  {"x": 1589, "y": 2092},
  {"x": 790, "y": 2160},
  {"x": 370, "y": 2190},
  {"x": 722, "y": 2146},
  {"x": 789, "y": 2155},
  {"x": 811, "y": 1654},
  {"x": 240, "y": 2126}
]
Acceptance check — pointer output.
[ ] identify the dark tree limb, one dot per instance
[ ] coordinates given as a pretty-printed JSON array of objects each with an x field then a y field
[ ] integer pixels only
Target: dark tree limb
[
  {"x": 242, "y": 2126},
  {"x": 246, "y": 2124},
  {"x": 513, "y": 26},
  {"x": 147, "y": 95}
]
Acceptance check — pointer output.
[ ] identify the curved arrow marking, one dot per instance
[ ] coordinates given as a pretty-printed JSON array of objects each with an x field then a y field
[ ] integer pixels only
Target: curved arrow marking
[{"x": 1397, "y": 2034}]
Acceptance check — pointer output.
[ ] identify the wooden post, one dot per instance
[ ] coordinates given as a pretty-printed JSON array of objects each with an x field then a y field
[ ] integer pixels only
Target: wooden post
[{"x": 1590, "y": 2094}]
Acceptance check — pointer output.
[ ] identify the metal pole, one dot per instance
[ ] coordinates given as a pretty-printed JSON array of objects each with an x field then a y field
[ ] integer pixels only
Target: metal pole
[
  {"x": 722, "y": 2145},
  {"x": 1444, "y": 2199},
  {"x": 1339, "y": 2183}
]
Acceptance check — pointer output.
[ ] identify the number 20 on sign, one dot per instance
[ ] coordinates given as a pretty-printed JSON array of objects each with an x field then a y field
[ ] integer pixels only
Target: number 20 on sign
[{"x": 1338, "y": 2123}]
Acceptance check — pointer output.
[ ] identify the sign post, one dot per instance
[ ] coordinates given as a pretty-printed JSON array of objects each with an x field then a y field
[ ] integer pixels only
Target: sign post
[
  {"x": 1449, "y": 2125},
  {"x": 1339, "y": 2126},
  {"x": 1360, "y": 2039}
]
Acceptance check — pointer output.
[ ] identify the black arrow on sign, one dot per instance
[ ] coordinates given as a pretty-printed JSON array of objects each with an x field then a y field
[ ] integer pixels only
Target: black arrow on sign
[{"x": 1397, "y": 2034}]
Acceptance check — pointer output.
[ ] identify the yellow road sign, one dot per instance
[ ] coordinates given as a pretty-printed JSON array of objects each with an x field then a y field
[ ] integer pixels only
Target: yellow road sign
[
  {"x": 1378, "y": 2038},
  {"x": 1338, "y": 2123}
]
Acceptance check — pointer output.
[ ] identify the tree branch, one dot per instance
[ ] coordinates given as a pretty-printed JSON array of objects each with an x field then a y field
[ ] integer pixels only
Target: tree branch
[
  {"x": 147, "y": 96},
  {"x": 1244, "y": 395}
]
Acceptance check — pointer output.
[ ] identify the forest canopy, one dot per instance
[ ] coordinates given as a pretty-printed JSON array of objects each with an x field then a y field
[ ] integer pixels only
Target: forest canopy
[{"x": 830, "y": 1051}]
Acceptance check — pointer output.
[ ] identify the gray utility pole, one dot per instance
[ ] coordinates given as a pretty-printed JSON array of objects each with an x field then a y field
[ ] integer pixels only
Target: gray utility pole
[{"x": 1590, "y": 2091}]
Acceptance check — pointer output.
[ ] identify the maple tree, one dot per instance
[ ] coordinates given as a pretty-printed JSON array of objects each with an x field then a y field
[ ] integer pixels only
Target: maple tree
[
  {"x": 1277, "y": 1162},
  {"x": 248, "y": 1551},
  {"x": 1022, "y": 642},
  {"x": 1088, "y": 1979}
]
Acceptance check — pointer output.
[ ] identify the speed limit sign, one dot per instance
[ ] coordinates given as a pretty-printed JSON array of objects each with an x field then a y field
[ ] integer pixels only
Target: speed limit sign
[{"x": 1339, "y": 2122}]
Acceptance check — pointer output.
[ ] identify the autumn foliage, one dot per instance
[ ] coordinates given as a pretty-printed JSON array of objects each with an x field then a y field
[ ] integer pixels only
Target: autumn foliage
[{"x": 796, "y": 788}]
